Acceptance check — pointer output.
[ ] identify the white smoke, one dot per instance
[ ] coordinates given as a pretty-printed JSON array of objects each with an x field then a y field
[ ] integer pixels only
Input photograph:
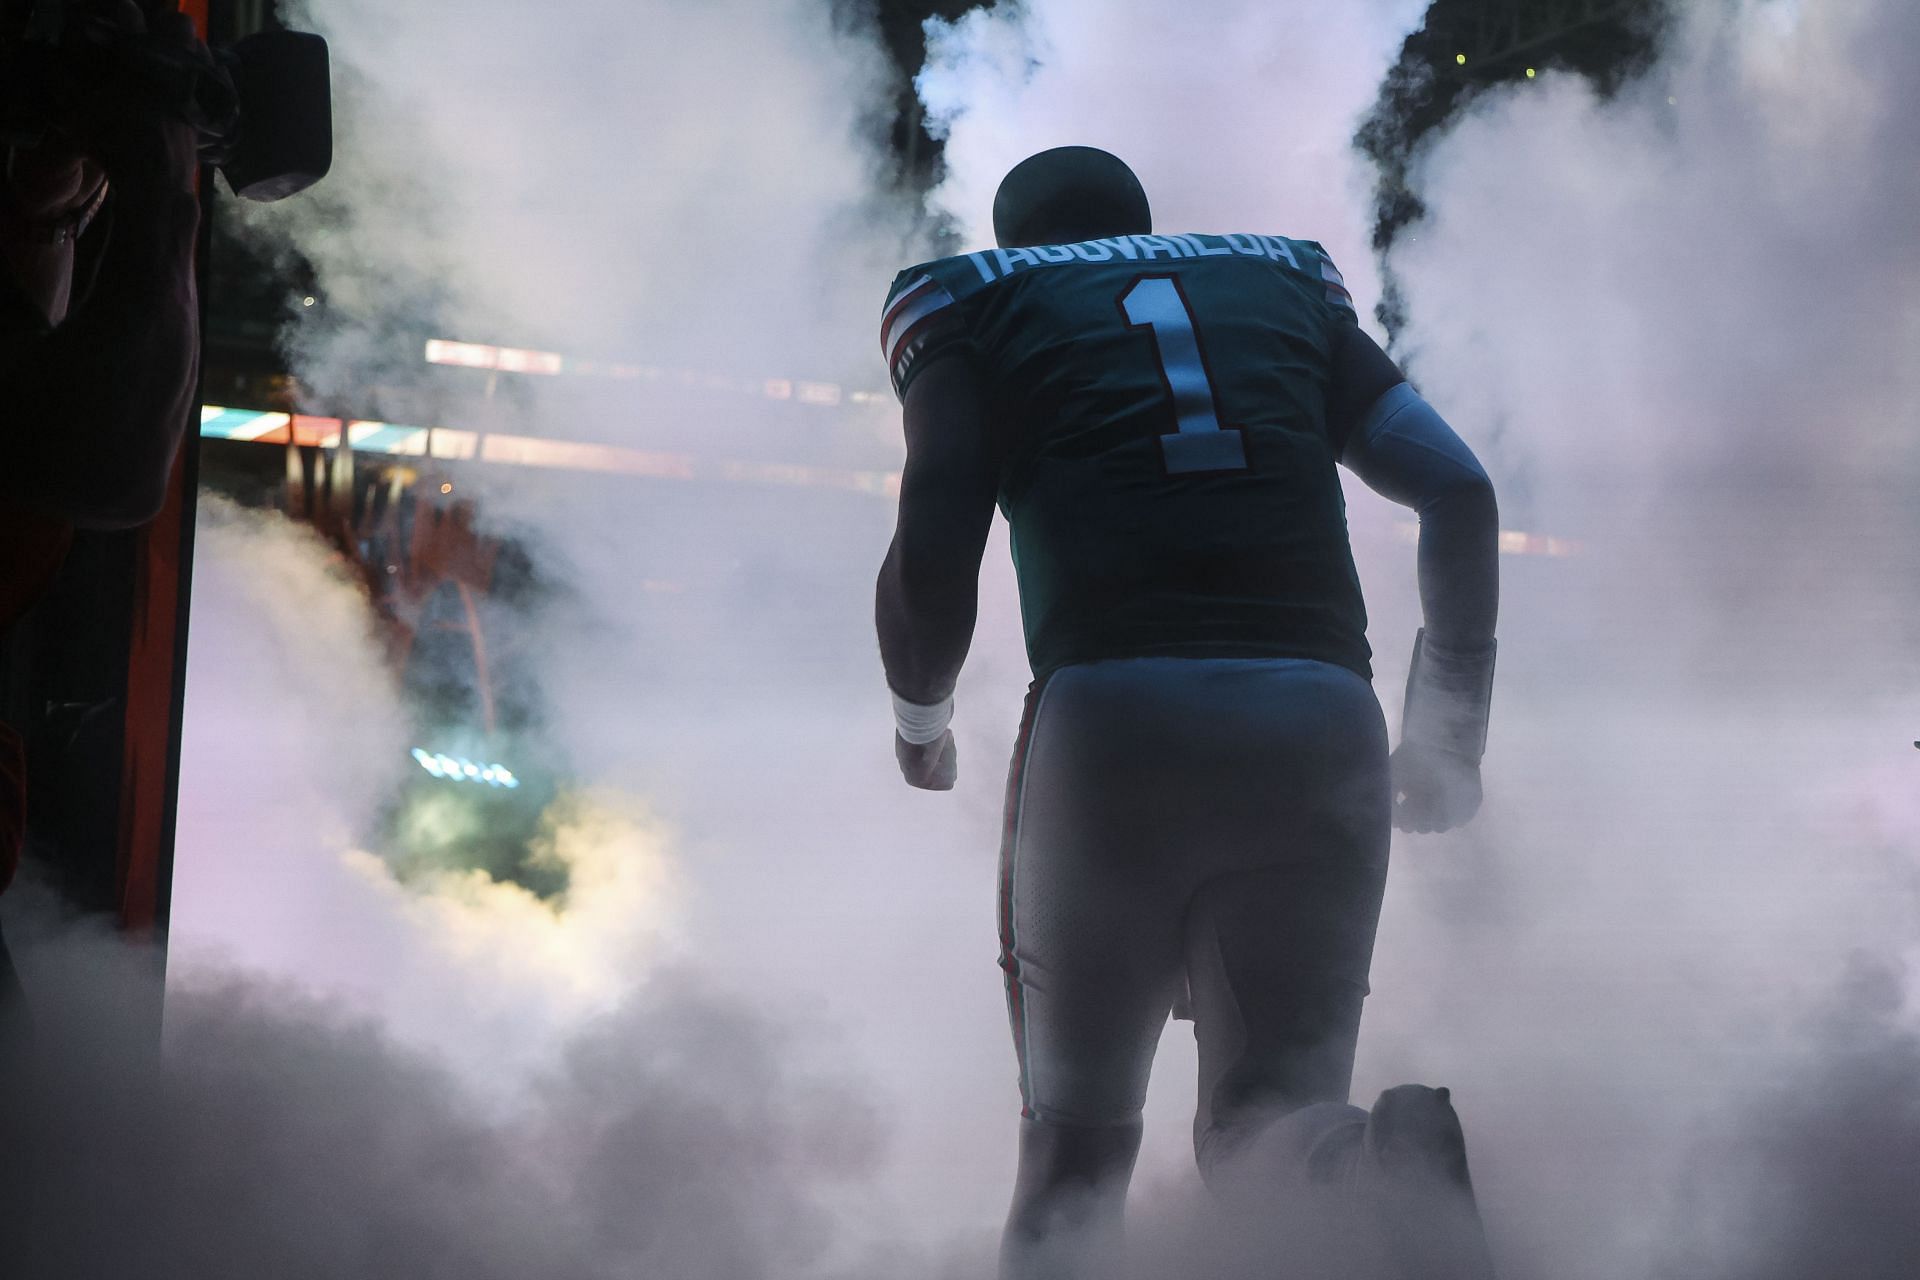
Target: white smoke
[
  {"x": 661, "y": 182},
  {"x": 682, "y": 1134},
  {"x": 696, "y": 189},
  {"x": 1698, "y": 806},
  {"x": 1235, "y": 114},
  {"x": 1672, "y": 322},
  {"x": 279, "y": 829}
]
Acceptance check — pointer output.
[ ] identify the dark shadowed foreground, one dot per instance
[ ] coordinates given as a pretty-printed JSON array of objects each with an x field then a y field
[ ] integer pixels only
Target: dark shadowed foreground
[
  {"x": 276, "y": 1137},
  {"x": 1827, "y": 1161},
  {"x": 687, "y": 1135}
]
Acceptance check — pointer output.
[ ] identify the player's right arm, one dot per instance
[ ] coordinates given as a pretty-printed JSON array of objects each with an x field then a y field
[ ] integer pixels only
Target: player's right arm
[
  {"x": 927, "y": 594},
  {"x": 1401, "y": 447}
]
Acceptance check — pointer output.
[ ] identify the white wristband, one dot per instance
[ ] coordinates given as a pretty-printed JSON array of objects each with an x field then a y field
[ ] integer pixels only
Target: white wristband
[{"x": 919, "y": 724}]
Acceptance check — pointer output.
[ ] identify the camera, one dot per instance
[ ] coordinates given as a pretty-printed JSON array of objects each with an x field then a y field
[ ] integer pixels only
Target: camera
[{"x": 262, "y": 107}]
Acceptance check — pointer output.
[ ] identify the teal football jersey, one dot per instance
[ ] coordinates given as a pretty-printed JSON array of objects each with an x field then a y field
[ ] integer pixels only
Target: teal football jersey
[{"x": 1169, "y": 475}]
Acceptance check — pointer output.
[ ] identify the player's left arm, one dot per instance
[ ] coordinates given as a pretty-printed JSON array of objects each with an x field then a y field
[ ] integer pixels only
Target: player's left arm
[
  {"x": 928, "y": 593},
  {"x": 1401, "y": 447}
]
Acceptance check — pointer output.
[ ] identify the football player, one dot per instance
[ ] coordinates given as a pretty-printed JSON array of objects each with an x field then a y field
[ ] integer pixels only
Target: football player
[{"x": 1199, "y": 803}]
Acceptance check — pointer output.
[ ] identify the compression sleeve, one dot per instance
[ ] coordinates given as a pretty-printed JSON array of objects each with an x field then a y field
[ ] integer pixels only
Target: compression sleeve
[{"x": 1406, "y": 452}]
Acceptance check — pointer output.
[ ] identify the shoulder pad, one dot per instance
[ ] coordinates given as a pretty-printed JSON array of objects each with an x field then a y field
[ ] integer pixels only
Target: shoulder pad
[
  {"x": 1336, "y": 285},
  {"x": 922, "y": 316}
]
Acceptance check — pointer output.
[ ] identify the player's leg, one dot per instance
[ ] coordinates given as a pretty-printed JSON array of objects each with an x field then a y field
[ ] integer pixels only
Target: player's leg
[
  {"x": 1276, "y": 967},
  {"x": 1279, "y": 945},
  {"x": 1409, "y": 1177},
  {"x": 1276, "y": 1018},
  {"x": 1278, "y": 958},
  {"x": 1091, "y": 948},
  {"x": 1069, "y": 1199}
]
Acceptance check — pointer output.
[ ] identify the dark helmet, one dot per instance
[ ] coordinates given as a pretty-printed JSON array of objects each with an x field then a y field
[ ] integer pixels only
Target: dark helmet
[{"x": 1066, "y": 195}]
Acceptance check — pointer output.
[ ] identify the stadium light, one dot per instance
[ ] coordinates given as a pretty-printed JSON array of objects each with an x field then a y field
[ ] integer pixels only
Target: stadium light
[{"x": 460, "y": 769}]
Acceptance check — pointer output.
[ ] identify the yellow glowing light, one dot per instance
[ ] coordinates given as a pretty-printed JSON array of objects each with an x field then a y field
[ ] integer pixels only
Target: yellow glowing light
[
  {"x": 1531, "y": 73},
  {"x": 578, "y": 953},
  {"x": 1460, "y": 58},
  {"x": 447, "y": 487}
]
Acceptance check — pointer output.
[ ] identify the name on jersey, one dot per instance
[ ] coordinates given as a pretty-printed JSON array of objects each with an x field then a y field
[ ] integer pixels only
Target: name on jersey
[{"x": 996, "y": 264}]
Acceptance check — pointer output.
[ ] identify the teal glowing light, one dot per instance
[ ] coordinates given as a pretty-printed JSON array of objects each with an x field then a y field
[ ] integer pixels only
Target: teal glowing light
[{"x": 461, "y": 769}]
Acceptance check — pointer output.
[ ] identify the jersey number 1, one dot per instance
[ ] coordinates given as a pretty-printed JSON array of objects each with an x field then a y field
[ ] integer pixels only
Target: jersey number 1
[{"x": 1201, "y": 444}]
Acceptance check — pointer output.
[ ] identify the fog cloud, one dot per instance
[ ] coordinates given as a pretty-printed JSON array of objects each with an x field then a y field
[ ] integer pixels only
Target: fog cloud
[{"x": 766, "y": 1035}]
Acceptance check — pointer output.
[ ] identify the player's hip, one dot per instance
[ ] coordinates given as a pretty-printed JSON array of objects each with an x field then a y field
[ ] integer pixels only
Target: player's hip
[
  {"x": 1250, "y": 629},
  {"x": 1279, "y": 700},
  {"x": 1197, "y": 751}
]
